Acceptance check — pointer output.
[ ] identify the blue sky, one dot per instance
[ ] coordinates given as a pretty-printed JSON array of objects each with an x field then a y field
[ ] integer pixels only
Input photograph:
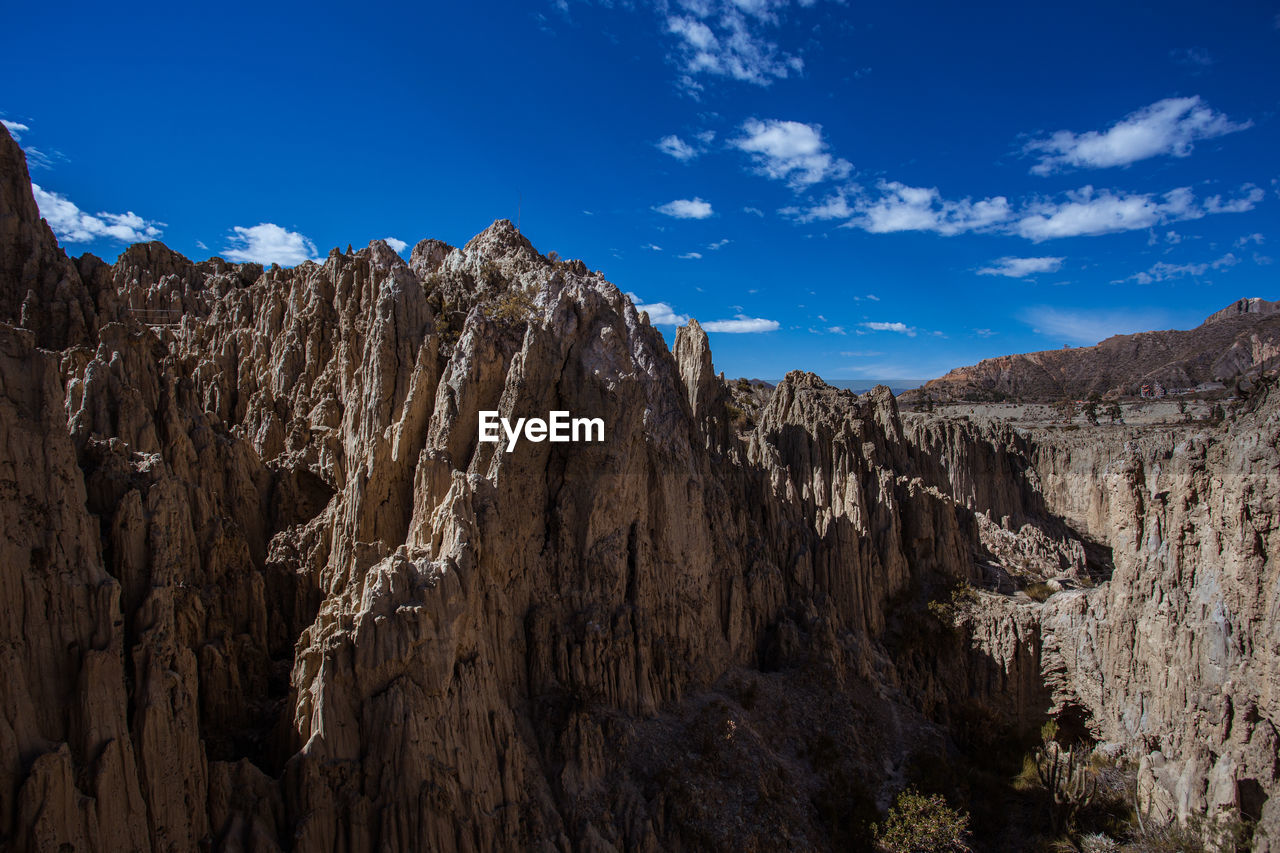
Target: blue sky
[{"x": 862, "y": 190}]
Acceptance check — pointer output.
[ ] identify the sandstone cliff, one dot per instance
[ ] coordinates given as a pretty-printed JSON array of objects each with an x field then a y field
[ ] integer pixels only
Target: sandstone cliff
[{"x": 266, "y": 590}]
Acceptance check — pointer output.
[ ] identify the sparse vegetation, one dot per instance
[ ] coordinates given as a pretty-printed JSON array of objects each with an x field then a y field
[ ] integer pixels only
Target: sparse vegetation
[
  {"x": 947, "y": 608},
  {"x": 491, "y": 274},
  {"x": 1065, "y": 773},
  {"x": 1039, "y": 591},
  {"x": 923, "y": 824},
  {"x": 514, "y": 306},
  {"x": 740, "y": 420},
  {"x": 1091, "y": 407}
]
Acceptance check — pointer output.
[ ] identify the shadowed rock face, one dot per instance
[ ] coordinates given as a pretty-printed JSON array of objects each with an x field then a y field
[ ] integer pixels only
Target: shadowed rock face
[{"x": 265, "y": 589}]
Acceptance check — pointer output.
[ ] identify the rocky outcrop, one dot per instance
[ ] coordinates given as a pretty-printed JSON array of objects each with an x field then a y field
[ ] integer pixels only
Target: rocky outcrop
[
  {"x": 1238, "y": 341},
  {"x": 269, "y": 591}
]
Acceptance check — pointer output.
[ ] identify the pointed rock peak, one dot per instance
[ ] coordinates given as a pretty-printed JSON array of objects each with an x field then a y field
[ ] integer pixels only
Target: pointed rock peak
[
  {"x": 499, "y": 240},
  {"x": 154, "y": 257},
  {"x": 693, "y": 357},
  {"x": 427, "y": 256}
]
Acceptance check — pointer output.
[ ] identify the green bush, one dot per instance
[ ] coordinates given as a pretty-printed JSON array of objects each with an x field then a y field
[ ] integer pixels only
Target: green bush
[{"x": 923, "y": 824}]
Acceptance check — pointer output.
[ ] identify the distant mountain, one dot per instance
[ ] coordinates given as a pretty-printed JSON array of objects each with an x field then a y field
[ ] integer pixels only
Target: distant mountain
[{"x": 1241, "y": 339}]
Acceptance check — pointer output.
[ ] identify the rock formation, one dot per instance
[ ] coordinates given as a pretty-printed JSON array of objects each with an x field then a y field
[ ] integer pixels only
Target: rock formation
[
  {"x": 1235, "y": 343},
  {"x": 267, "y": 591}
]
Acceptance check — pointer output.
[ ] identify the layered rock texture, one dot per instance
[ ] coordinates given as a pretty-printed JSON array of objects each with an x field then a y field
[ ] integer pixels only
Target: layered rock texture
[
  {"x": 265, "y": 590},
  {"x": 1233, "y": 345}
]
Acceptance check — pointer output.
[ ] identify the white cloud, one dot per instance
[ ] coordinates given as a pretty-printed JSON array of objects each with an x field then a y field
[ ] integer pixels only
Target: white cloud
[
  {"x": 1249, "y": 238},
  {"x": 684, "y": 208},
  {"x": 861, "y": 353},
  {"x": 1090, "y": 212},
  {"x": 692, "y": 256},
  {"x": 719, "y": 244},
  {"x": 835, "y": 206},
  {"x": 900, "y": 328},
  {"x": 1164, "y": 271},
  {"x": 267, "y": 243},
  {"x": 837, "y": 330},
  {"x": 660, "y": 313},
  {"x": 1021, "y": 267},
  {"x": 73, "y": 225},
  {"x": 790, "y": 151},
  {"x": 16, "y": 129},
  {"x": 652, "y": 247},
  {"x": 754, "y": 211},
  {"x": 983, "y": 333},
  {"x": 1167, "y": 127},
  {"x": 904, "y": 208},
  {"x": 741, "y": 325},
  {"x": 1082, "y": 212},
  {"x": 727, "y": 38},
  {"x": 1089, "y": 327},
  {"x": 677, "y": 148},
  {"x": 397, "y": 246},
  {"x": 1252, "y": 195}
]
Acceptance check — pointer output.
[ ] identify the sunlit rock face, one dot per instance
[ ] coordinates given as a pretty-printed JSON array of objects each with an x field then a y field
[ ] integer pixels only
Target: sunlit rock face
[{"x": 265, "y": 589}]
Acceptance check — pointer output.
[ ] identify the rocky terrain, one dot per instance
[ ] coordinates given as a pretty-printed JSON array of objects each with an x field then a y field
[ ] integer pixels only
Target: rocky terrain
[
  {"x": 1234, "y": 344},
  {"x": 265, "y": 590}
]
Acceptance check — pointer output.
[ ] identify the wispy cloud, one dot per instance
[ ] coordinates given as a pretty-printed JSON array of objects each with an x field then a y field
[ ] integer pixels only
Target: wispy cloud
[
  {"x": 268, "y": 243},
  {"x": 834, "y": 206},
  {"x": 730, "y": 38},
  {"x": 754, "y": 211},
  {"x": 686, "y": 208},
  {"x": 1195, "y": 58},
  {"x": 1168, "y": 127},
  {"x": 741, "y": 324},
  {"x": 900, "y": 328},
  {"x": 719, "y": 244},
  {"x": 692, "y": 256},
  {"x": 397, "y": 246},
  {"x": 15, "y": 128},
  {"x": 1089, "y": 327},
  {"x": 1162, "y": 271},
  {"x": 790, "y": 151},
  {"x": 1021, "y": 267},
  {"x": 652, "y": 247},
  {"x": 677, "y": 148},
  {"x": 73, "y": 225}
]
